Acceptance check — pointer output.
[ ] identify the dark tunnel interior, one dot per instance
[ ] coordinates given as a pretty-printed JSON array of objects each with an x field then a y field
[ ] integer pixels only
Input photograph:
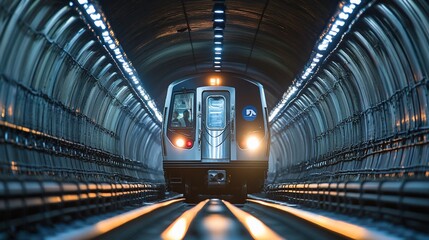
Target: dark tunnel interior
[{"x": 82, "y": 96}]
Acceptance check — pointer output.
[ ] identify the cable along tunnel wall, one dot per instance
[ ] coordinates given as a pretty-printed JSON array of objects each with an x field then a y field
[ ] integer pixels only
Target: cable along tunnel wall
[
  {"x": 66, "y": 112},
  {"x": 362, "y": 118}
]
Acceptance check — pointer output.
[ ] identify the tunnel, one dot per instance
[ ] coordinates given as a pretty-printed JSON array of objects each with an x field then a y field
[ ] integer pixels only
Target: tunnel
[{"x": 83, "y": 85}]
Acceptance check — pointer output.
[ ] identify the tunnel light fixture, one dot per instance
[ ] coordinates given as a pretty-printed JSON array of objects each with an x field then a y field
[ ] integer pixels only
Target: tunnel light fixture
[
  {"x": 218, "y": 34},
  {"x": 219, "y": 16},
  {"x": 218, "y": 24},
  {"x": 98, "y": 24},
  {"x": 218, "y": 8},
  {"x": 345, "y": 17},
  {"x": 218, "y": 27}
]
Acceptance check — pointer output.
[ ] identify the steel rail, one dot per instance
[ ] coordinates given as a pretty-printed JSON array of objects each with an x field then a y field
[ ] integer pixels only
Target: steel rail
[
  {"x": 219, "y": 219},
  {"x": 106, "y": 226},
  {"x": 256, "y": 227},
  {"x": 339, "y": 227},
  {"x": 178, "y": 229}
]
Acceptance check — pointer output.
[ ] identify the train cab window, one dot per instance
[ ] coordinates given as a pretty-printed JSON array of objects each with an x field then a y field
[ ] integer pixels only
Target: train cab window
[
  {"x": 216, "y": 115},
  {"x": 182, "y": 115}
]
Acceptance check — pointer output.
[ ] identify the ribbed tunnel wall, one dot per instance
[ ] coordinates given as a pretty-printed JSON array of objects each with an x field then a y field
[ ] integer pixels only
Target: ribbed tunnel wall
[
  {"x": 356, "y": 138},
  {"x": 67, "y": 113},
  {"x": 364, "y": 115}
]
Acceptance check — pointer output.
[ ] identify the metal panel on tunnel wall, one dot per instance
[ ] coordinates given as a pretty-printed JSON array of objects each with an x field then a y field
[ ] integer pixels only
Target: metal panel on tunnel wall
[{"x": 364, "y": 114}]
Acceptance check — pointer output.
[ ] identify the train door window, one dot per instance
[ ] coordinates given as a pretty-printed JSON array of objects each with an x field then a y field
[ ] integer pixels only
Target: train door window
[
  {"x": 216, "y": 112},
  {"x": 182, "y": 115}
]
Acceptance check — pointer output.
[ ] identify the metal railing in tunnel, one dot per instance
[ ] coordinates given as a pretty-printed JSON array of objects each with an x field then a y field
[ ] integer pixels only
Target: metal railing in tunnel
[
  {"x": 404, "y": 202},
  {"x": 27, "y": 201},
  {"x": 73, "y": 133},
  {"x": 364, "y": 114}
]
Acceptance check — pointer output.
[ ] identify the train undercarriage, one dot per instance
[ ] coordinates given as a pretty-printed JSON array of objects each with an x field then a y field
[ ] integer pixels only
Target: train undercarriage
[{"x": 231, "y": 181}]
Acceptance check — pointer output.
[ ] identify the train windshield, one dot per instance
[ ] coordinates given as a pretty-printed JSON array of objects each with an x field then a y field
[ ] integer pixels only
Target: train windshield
[
  {"x": 216, "y": 117},
  {"x": 182, "y": 111}
]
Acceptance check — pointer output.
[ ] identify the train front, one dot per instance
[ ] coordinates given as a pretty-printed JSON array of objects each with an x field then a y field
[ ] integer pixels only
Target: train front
[{"x": 215, "y": 139}]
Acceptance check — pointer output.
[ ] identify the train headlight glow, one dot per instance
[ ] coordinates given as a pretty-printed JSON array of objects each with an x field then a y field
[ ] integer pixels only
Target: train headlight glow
[
  {"x": 180, "y": 142},
  {"x": 252, "y": 142},
  {"x": 184, "y": 143}
]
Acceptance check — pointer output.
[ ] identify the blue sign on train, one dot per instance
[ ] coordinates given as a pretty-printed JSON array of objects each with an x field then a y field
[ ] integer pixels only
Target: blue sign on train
[{"x": 249, "y": 113}]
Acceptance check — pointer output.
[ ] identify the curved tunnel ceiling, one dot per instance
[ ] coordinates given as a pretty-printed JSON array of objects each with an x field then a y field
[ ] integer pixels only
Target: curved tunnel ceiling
[{"x": 268, "y": 41}]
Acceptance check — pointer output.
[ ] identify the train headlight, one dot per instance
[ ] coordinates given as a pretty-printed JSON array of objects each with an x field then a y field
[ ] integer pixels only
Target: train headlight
[
  {"x": 252, "y": 142},
  {"x": 183, "y": 143},
  {"x": 180, "y": 142}
]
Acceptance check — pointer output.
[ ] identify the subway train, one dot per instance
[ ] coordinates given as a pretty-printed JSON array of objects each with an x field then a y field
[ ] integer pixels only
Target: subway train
[{"x": 215, "y": 138}]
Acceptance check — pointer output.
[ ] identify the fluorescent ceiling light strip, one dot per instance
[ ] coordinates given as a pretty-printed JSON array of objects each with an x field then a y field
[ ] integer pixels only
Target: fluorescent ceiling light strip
[
  {"x": 218, "y": 17},
  {"x": 340, "y": 23},
  {"x": 95, "y": 18}
]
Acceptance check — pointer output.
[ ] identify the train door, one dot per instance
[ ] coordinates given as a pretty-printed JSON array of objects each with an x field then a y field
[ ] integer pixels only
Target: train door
[{"x": 215, "y": 126}]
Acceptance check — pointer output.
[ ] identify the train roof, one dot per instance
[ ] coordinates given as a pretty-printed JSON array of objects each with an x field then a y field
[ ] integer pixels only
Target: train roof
[{"x": 226, "y": 81}]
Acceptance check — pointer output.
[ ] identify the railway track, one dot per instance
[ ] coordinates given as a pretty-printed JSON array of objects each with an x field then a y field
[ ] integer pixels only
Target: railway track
[{"x": 219, "y": 219}]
